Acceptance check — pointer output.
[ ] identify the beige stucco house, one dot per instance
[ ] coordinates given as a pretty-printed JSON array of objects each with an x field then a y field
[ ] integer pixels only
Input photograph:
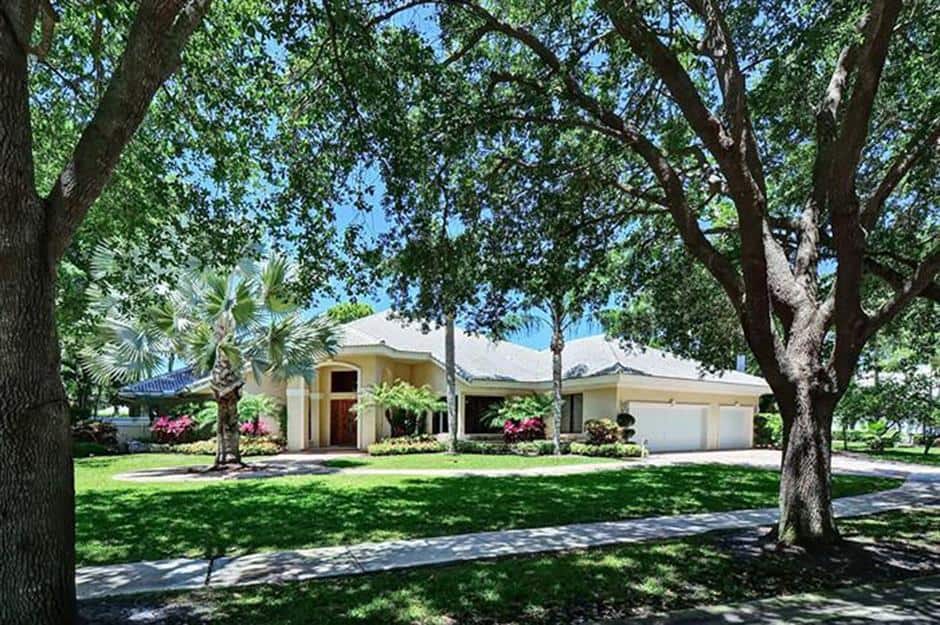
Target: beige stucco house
[{"x": 676, "y": 405}]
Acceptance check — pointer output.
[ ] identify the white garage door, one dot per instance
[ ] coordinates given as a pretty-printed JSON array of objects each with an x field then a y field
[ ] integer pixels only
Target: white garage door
[
  {"x": 670, "y": 428},
  {"x": 735, "y": 427}
]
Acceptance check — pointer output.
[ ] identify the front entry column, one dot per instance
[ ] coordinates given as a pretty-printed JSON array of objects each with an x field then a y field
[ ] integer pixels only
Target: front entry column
[{"x": 298, "y": 422}]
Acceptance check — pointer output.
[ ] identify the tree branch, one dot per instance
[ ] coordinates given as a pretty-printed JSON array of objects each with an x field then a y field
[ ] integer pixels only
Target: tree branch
[
  {"x": 156, "y": 39},
  {"x": 918, "y": 147},
  {"x": 896, "y": 279},
  {"x": 921, "y": 279}
]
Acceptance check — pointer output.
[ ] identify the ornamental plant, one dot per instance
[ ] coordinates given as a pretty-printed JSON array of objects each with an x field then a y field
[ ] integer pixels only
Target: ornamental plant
[
  {"x": 254, "y": 428},
  {"x": 166, "y": 429},
  {"x": 602, "y": 432},
  {"x": 517, "y": 431}
]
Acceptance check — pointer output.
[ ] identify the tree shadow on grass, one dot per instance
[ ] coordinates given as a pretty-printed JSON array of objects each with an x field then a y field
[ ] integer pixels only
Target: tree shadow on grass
[
  {"x": 230, "y": 518},
  {"x": 582, "y": 586}
]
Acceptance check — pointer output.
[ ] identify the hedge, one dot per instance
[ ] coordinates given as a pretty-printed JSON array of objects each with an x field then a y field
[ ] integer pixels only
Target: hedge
[
  {"x": 608, "y": 450},
  {"x": 420, "y": 444}
]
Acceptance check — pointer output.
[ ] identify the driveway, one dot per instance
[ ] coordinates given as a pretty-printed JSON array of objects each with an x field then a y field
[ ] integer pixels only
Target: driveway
[{"x": 770, "y": 458}]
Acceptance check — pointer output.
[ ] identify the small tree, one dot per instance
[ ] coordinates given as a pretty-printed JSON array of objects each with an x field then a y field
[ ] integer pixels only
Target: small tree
[
  {"x": 220, "y": 323},
  {"x": 405, "y": 405}
]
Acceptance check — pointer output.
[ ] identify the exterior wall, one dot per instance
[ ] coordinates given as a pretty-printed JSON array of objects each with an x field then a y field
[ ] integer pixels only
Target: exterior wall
[
  {"x": 600, "y": 403},
  {"x": 309, "y": 406}
]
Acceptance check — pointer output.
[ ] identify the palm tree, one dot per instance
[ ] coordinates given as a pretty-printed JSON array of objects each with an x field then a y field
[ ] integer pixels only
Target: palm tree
[
  {"x": 222, "y": 324},
  {"x": 559, "y": 314}
]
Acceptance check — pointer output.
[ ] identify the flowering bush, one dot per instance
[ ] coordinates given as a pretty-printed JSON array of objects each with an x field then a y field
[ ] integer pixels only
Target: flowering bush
[
  {"x": 169, "y": 430},
  {"x": 254, "y": 428},
  {"x": 516, "y": 431},
  {"x": 602, "y": 431}
]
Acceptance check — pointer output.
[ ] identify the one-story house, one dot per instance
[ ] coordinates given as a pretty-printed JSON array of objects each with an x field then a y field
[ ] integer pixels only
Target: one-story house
[{"x": 676, "y": 404}]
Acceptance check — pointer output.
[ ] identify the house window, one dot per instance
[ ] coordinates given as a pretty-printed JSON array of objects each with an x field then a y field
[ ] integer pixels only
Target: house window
[
  {"x": 439, "y": 423},
  {"x": 572, "y": 414},
  {"x": 344, "y": 382},
  {"x": 477, "y": 410}
]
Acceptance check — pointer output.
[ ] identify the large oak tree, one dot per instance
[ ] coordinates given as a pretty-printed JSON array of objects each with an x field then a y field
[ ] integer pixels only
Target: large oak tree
[
  {"x": 791, "y": 145},
  {"x": 36, "y": 486}
]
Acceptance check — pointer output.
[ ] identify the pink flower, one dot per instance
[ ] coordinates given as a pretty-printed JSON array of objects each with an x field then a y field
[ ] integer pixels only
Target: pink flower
[{"x": 248, "y": 428}]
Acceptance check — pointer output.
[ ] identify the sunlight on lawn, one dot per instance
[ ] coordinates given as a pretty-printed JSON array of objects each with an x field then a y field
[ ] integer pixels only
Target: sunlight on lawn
[{"x": 121, "y": 522}]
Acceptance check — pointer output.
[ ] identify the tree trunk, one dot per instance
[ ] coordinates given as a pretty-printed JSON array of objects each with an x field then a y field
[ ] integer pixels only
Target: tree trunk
[
  {"x": 37, "y": 500},
  {"x": 227, "y": 451},
  {"x": 558, "y": 345},
  {"x": 806, "y": 516},
  {"x": 450, "y": 372}
]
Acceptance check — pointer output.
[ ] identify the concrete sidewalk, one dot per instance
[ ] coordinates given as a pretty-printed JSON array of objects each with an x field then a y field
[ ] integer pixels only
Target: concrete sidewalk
[
  {"x": 912, "y": 602},
  {"x": 270, "y": 567}
]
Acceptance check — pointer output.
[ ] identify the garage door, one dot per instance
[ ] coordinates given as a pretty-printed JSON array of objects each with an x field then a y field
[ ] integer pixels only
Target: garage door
[
  {"x": 670, "y": 428},
  {"x": 735, "y": 427}
]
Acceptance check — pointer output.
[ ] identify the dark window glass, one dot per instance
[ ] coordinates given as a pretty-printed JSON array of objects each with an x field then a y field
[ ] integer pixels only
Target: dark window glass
[
  {"x": 477, "y": 408},
  {"x": 343, "y": 381},
  {"x": 572, "y": 414},
  {"x": 439, "y": 423}
]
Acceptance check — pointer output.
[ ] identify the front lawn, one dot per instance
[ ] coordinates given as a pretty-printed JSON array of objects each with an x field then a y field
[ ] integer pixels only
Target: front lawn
[
  {"x": 124, "y": 521},
  {"x": 913, "y": 455},
  {"x": 462, "y": 461},
  {"x": 576, "y": 587}
]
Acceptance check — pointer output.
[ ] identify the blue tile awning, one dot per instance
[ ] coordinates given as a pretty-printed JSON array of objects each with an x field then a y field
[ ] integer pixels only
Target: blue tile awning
[{"x": 173, "y": 384}]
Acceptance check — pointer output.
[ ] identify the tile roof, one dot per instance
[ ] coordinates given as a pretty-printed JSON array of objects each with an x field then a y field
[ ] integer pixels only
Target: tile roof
[
  {"x": 170, "y": 384},
  {"x": 480, "y": 359}
]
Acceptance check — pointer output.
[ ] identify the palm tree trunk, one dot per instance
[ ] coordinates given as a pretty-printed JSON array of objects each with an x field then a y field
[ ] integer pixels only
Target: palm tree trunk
[
  {"x": 558, "y": 345},
  {"x": 450, "y": 372},
  {"x": 227, "y": 385},
  {"x": 228, "y": 436}
]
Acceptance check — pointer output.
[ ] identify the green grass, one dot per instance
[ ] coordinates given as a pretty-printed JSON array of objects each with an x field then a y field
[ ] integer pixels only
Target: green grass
[
  {"x": 461, "y": 461},
  {"x": 121, "y": 521},
  {"x": 914, "y": 455},
  {"x": 555, "y": 588}
]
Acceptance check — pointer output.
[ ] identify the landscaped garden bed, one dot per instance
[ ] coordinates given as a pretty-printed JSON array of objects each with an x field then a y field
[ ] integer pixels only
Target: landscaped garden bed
[{"x": 577, "y": 587}]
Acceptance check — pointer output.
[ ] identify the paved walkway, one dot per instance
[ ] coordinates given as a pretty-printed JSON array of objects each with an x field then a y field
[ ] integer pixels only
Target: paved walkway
[
  {"x": 912, "y": 602},
  {"x": 306, "y": 564}
]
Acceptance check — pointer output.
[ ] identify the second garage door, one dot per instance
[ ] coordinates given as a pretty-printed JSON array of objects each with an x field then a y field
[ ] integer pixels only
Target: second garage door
[
  {"x": 735, "y": 427},
  {"x": 670, "y": 428}
]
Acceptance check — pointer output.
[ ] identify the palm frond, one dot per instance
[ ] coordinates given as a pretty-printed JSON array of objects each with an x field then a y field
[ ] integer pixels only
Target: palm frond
[
  {"x": 126, "y": 350},
  {"x": 274, "y": 280}
]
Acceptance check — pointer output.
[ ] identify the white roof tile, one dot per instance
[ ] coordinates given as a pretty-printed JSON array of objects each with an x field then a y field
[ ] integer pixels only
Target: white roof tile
[{"x": 479, "y": 358}]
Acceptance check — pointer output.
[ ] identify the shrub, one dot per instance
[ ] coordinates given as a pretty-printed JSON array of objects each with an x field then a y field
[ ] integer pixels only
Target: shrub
[
  {"x": 84, "y": 449},
  {"x": 173, "y": 431},
  {"x": 95, "y": 431},
  {"x": 878, "y": 436},
  {"x": 538, "y": 448},
  {"x": 768, "y": 430},
  {"x": 626, "y": 421},
  {"x": 418, "y": 444},
  {"x": 517, "y": 431},
  {"x": 254, "y": 429},
  {"x": 602, "y": 431},
  {"x": 519, "y": 408},
  {"x": 261, "y": 446},
  {"x": 608, "y": 450},
  {"x": 483, "y": 447},
  {"x": 207, "y": 420}
]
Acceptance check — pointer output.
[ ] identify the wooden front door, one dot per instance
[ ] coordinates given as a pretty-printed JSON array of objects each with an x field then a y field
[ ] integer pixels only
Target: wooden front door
[{"x": 342, "y": 422}]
